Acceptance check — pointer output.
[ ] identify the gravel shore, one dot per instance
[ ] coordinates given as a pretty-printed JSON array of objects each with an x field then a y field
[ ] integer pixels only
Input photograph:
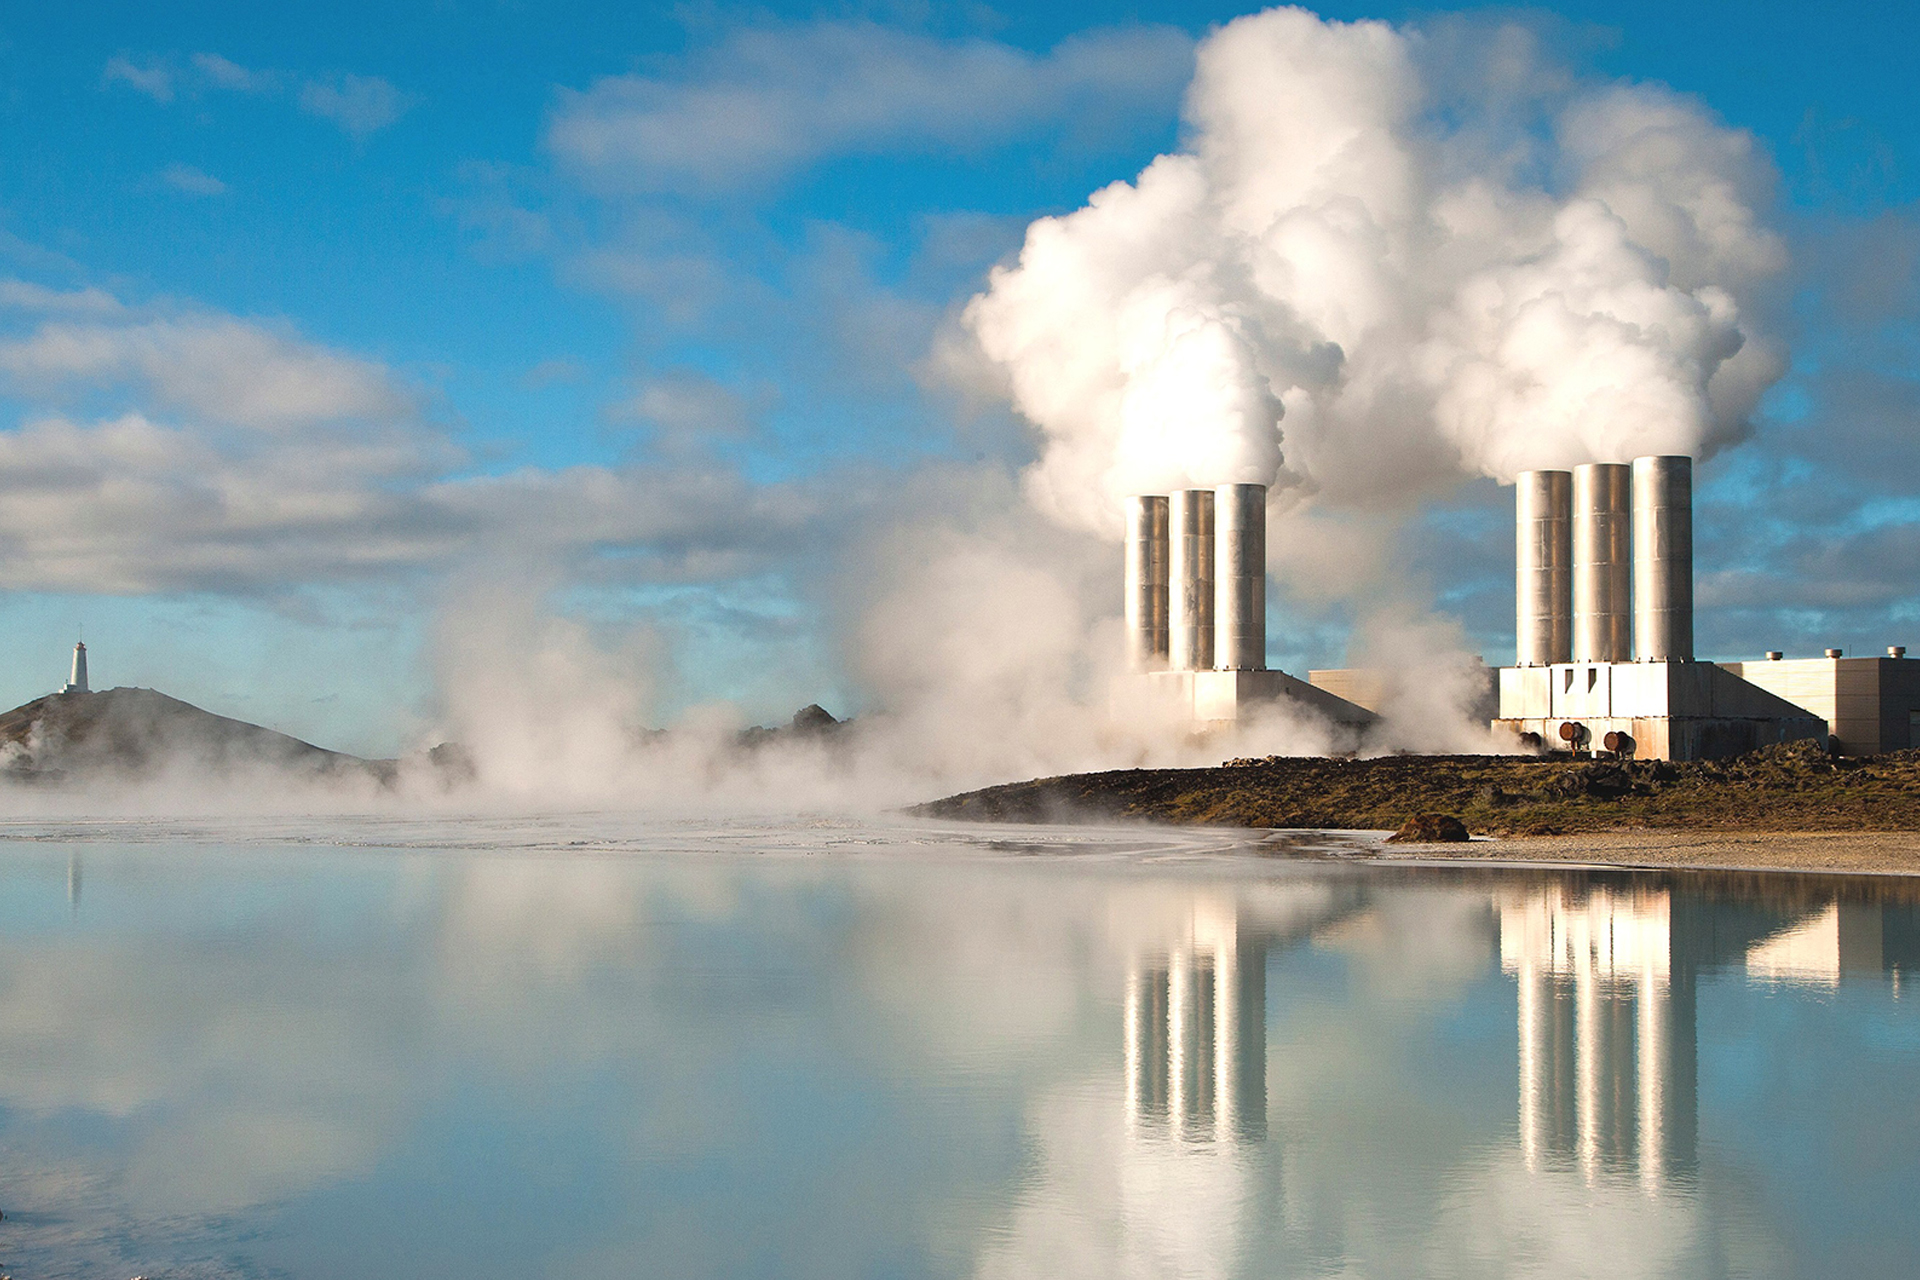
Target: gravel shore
[{"x": 1830, "y": 852}]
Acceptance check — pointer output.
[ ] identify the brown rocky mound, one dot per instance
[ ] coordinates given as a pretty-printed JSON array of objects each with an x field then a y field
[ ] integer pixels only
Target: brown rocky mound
[
  {"x": 1793, "y": 787},
  {"x": 1431, "y": 828}
]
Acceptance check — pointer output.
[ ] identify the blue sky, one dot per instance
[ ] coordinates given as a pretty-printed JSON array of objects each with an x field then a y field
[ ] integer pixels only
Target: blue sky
[{"x": 661, "y": 375}]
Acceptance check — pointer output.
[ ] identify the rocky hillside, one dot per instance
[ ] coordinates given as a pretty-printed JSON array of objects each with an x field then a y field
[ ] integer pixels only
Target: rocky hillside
[{"x": 138, "y": 732}]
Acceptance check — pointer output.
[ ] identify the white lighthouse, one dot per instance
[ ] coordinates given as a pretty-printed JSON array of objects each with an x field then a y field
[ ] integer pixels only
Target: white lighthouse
[{"x": 79, "y": 682}]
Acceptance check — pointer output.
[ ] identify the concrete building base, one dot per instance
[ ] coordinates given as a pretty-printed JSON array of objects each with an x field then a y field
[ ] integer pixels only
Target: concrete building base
[
  {"x": 1670, "y": 710},
  {"x": 1227, "y": 697}
]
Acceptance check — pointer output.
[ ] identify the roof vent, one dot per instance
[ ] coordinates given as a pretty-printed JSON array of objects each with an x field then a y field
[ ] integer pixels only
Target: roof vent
[
  {"x": 1833, "y": 653},
  {"x": 1774, "y": 655},
  {"x": 1896, "y": 651}
]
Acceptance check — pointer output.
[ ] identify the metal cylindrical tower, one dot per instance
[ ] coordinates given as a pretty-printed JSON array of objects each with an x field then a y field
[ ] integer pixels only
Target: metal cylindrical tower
[
  {"x": 1190, "y": 595},
  {"x": 1543, "y": 561},
  {"x": 1602, "y": 562},
  {"x": 1146, "y": 582},
  {"x": 1663, "y": 559},
  {"x": 1240, "y": 577}
]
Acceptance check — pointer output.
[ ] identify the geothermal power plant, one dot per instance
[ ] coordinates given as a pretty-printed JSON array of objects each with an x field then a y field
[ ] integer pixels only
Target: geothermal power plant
[
  {"x": 1604, "y": 629},
  {"x": 1196, "y": 607}
]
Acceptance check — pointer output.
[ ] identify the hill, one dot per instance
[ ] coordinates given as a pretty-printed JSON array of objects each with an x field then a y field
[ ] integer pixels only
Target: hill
[{"x": 131, "y": 733}]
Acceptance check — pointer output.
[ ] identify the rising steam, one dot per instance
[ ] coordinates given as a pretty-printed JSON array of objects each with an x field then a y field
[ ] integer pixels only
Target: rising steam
[{"x": 1424, "y": 287}]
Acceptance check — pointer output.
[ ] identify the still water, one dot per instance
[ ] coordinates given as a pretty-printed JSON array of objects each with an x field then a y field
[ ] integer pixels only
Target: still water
[{"x": 569, "y": 1049}]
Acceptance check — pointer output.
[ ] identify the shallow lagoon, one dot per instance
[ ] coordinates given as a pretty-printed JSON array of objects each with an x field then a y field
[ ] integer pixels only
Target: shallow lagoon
[{"x": 594, "y": 1047}]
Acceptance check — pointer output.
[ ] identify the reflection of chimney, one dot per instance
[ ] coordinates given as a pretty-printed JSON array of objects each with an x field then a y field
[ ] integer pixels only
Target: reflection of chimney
[
  {"x": 1196, "y": 1038},
  {"x": 1606, "y": 1032},
  {"x": 1543, "y": 561},
  {"x": 1146, "y": 582},
  {"x": 1190, "y": 593}
]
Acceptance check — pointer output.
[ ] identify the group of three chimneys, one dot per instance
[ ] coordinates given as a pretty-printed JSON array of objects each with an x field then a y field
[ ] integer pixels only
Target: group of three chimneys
[
  {"x": 1196, "y": 596},
  {"x": 1605, "y": 563}
]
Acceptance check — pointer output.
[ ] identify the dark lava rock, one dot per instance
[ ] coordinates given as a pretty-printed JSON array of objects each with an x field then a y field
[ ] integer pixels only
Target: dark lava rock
[
  {"x": 1430, "y": 828},
  {"x": 813, "y": 718},
  {"x": 453, "y": 763},
  {"x": 1600, "y": 781}
]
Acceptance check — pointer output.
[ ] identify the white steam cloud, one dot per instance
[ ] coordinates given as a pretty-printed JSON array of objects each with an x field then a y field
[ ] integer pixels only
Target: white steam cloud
[{"x": 1423, "y": 288}]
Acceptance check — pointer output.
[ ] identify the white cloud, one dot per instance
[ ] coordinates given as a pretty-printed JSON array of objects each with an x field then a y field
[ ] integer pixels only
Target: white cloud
[
  {"x": 178, "y": 451},
  {"x": 197, "y": 182},
  {"x": 24, "y": 295},
  {"x": 152, "y": 77},
  {"x": 213, "y": 367},
  {"x": 225, "y": 74},
  {"x": 769, "y": 100},
  {"x": 358, "y": 104}
]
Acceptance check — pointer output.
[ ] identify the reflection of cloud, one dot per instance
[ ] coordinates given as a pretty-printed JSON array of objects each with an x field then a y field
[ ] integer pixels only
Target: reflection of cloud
[
  {"x": 1501, "y": 1218},
  {"x": 735, "y": 1048},
  {"x": 1107, "y": 1202}
]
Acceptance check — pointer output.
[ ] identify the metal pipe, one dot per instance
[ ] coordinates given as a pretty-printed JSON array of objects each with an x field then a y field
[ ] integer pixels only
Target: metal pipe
[
  {"x": 1190, "y": 596},
  {"x": 1146, "y": 582},
  {"x": 1663, "y": 559},
  {"x": 1602, "y": 562},
  {"x": 1543, "y": 559},
  {"x": 1240, "y": 577}
]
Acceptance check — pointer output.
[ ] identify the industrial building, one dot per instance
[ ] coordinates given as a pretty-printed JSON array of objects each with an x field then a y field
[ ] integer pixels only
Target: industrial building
[
  {"x": 1196, "y": 608},
  {"x": 1870, "y": 705},
  {"x": 1604, "y": 624}
]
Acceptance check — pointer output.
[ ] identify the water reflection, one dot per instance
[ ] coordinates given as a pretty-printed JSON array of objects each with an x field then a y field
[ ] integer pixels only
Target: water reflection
[
  {"x": 1195, "y": 1029},
  {"x": 431, "y": 1065},
  {"x": 1841, "y": 938},
  {"x": 1606, "y": 1029}
]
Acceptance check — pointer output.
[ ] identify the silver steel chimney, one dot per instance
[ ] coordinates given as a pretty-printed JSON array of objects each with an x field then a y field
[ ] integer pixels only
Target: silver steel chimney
[
  {"x": 1240, "y": 577},
  {"x": 1602, "y": 562},
  {"x": 1190, "y": 595},
  {"x": 1543, "y": 561},
  {"x": 1663, "y": 559},
  {"x": 1146, "y": 583}
]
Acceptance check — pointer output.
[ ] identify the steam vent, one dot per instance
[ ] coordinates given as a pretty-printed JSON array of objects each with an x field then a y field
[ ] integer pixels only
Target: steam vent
[
  {"x": 1604, "y": 624},
  {"x": 1196, "y": 607}
]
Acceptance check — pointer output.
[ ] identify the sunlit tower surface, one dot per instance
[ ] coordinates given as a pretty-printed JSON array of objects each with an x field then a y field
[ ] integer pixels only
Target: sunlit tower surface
[{"x": 78, "y": 684}]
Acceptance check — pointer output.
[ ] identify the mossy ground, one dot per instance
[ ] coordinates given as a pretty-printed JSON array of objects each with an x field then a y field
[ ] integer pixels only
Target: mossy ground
[{"x": 1793, "y": 787}]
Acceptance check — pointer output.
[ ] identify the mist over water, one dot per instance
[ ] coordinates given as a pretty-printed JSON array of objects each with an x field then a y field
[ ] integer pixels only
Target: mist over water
[{"x": 574, "y": 1046}]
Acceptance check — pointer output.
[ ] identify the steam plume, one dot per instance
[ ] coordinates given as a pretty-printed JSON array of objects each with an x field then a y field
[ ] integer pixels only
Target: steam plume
[{"x": 1425, "y": 288}]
